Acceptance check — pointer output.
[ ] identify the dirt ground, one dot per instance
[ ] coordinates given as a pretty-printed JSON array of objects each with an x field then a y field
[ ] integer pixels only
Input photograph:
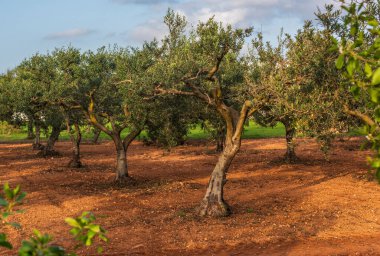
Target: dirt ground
[{"x": 310, "y": 208}]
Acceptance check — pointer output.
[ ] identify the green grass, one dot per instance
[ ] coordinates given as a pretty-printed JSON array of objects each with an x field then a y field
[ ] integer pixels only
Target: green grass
[
  {"x": 251, "y": 131},
  {"x": 254, "y": 131}
]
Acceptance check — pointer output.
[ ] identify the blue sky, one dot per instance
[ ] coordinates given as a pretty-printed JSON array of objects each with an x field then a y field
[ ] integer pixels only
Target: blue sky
[{"x": 31, "y": 26}]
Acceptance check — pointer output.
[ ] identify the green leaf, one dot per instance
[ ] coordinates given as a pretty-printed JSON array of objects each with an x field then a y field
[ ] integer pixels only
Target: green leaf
[
  {"x": 355, "y": 90},
  {"x": 7, "y": 191},
  {"x": 5, "y": 215},
  {"x": 3, "y": 202},
  {"x": 375, "y": 163},
  {"x": 351, "y": 66},
  {"x": 95, "y": 228},
  {"x": 376, "y": 77},
  {"x": 75, "y": 231},
  {"x": 90, "y": 235},
  {"x": 37, "y": 233},
  {"x": 368, "y": 70},
  {"x": 20, "y": 197},
  {"x": 339, "y": 61},
  {"x": 16, "y": 190},
  {"x": 57, "y": 250},
  {"x": 72, "y": 222},
  {"x": 4, "y": 242},
  {"x": 374, "y": 92}
]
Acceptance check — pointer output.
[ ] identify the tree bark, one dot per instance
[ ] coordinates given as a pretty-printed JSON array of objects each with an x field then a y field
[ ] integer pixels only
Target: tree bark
[
  {"x": 53, "y": 138},
  {"x": 290, "y": 155},
  {"x": 49, "y": 149},
  {"x": 121, "y": 153},
  {"x": 30, "y": 129},
  {"x": 121, "y": 162},
  {"x": 37, "y": 140},
  {"x": 213, "y": 203},
  {"x": 75, "y": 138}
]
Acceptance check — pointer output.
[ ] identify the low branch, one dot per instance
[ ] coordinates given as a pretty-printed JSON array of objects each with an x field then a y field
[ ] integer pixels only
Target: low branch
[
  {"x": 131, "y": 136},
  {"x": 365, "y": 118},
  {"x": 91, "y": 117}
]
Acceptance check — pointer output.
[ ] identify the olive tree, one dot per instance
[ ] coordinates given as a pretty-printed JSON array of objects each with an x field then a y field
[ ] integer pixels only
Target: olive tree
[
  {"x": 69, "y": 72},
  {"x": 32, "y": 81},
  {"x": 193, "y": 65},
  {"x": 109, "y": 99},
  {"x": 298, "y": 85}
]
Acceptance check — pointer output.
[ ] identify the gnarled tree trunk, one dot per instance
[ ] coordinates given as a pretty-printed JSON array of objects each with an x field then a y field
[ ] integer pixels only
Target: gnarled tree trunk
[
  {"x": 290, "y": 155},
  {"x": 30, "y": 129},
  {"x": 75, "y": 138},
  {"x": 37, "y": 139},
  {"x": 213, "y": 203},
  {"x": 53, "y": 138}
]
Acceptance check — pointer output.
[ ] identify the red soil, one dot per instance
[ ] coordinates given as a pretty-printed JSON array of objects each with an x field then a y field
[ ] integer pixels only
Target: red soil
[{"x": 310, "y": 208}]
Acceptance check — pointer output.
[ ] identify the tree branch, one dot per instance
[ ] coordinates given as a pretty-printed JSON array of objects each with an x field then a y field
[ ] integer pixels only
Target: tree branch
[
  {"x": 91, "y": 117},
  {"x": 365, "y": 118},
  {"x": 242, "y": 117}
]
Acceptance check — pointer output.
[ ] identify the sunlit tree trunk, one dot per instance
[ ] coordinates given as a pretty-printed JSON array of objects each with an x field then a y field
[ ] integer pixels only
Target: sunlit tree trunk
[
  {"x": 290, "y": 155},
  {"x": 121, "y": 154},
  {"x": 213, "y": 203}
]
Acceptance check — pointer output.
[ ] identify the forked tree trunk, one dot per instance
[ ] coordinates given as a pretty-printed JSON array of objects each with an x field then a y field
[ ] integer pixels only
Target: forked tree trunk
[
  {"x": 37, "y": 140},
  {"x": 213, "y": 203},
  {"x": 290, "y": 155},
  {"x": 30, "y": 130},
  {"x": 121, "y": 155},
  {"x": 75, "y": 138}
]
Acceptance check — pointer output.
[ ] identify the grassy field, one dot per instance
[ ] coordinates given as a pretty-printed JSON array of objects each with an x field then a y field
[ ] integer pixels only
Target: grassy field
[{"x": 251, "y": 131}]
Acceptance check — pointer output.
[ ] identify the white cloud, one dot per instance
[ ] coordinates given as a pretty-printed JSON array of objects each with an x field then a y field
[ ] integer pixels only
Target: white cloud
[
  {"x": 246, "y": 12},
  {"x": 268, "y": 16},
  {"x": 232, "y": 17},
  {"x": 71, "y": 33}
]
